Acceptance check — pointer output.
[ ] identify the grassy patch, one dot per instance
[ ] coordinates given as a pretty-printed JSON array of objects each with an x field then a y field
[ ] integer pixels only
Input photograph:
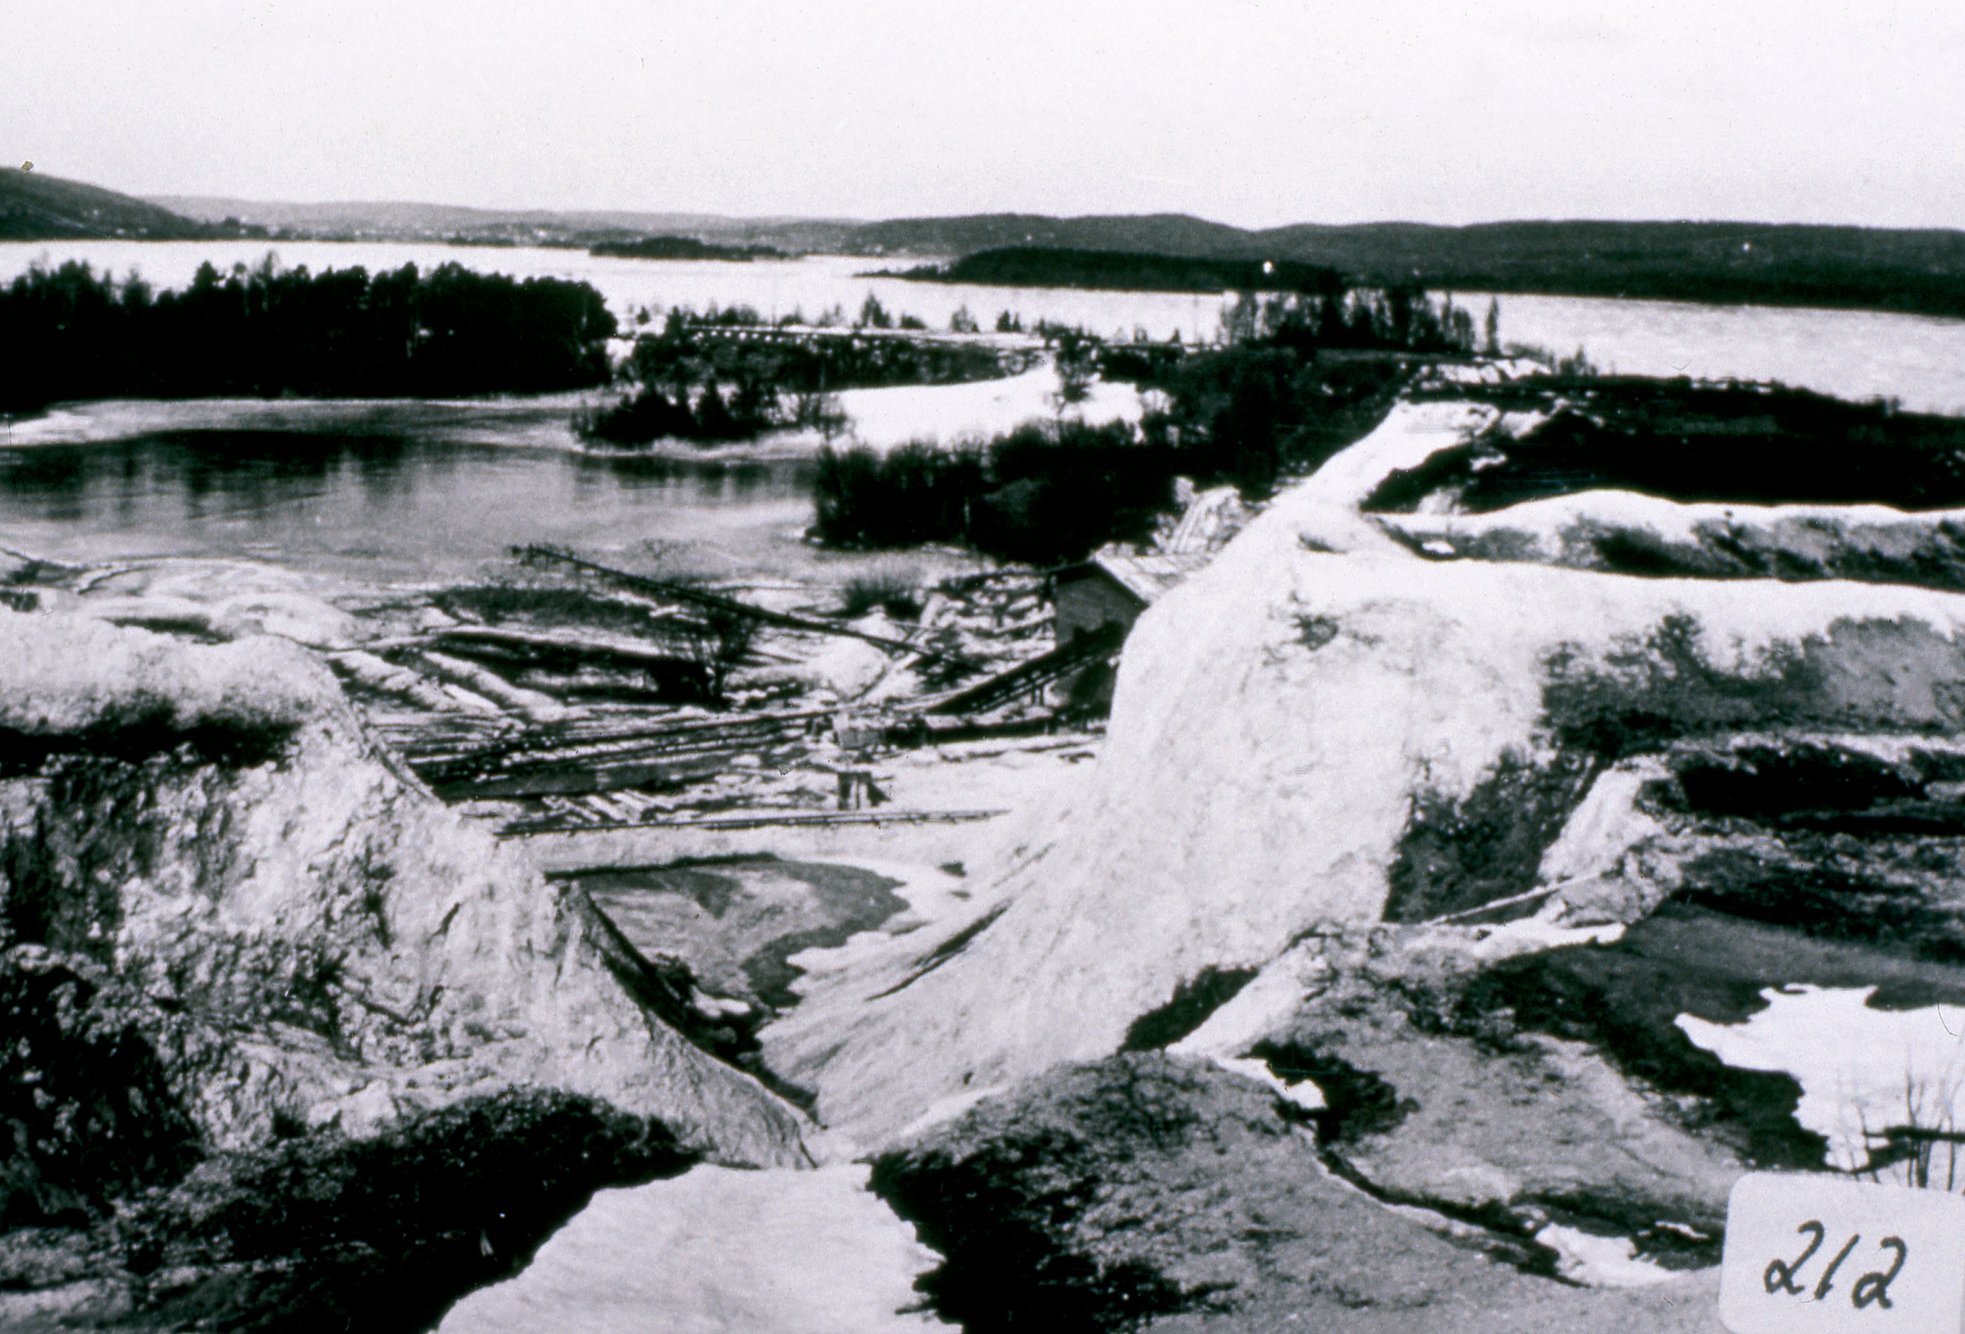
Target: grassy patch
[
  {"x": 890, "y": 590},
  {"x": 1624, "y": 999},
  {"x": 1687, "y": 442},
  {"x": 384, "y": 1234}
]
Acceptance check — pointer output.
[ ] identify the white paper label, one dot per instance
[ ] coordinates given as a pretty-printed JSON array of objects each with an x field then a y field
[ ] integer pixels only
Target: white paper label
[{"x": 1819, "y": 1255}]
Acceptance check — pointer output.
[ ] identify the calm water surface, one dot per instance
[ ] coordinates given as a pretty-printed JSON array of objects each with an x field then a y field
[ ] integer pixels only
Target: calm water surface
[
  {"x": 414, "y": 490},
  {"x": 390, "y": 505}
]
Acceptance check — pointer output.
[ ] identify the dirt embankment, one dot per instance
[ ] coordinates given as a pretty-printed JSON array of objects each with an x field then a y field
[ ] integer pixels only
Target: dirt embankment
[{"x": 274, "y": 1012}]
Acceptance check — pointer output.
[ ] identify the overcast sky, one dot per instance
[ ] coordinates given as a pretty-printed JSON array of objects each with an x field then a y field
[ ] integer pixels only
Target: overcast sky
[{"x": 1249, "y": 111}]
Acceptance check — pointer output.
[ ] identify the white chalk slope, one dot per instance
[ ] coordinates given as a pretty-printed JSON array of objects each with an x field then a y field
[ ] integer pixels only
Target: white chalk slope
[
  {"x": 440, "y": 964},
  {"x": 1276, "y": 719}
]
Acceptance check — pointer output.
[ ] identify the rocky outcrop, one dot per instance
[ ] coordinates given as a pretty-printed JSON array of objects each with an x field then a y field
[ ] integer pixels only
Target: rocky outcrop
[
  {"x": 383, "y": 1232},
  {"x": 1448, "y": 828},
  {"x": 229, "y": 923},
  {"x": 1146, "y": 1191},
  {"x": 1442, "y": 1085}
]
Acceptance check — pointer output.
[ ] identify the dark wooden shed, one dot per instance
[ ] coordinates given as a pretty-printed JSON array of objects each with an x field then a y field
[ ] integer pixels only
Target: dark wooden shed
[{"x": 1110, "y": 589}]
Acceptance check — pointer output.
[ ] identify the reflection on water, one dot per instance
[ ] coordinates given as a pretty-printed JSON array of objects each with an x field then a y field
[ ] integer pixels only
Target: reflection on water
[{"x": 392, "y": 506}]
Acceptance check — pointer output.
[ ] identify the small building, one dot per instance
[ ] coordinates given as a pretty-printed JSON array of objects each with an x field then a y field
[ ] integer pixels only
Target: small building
[{"x": 1110, "y": 589}]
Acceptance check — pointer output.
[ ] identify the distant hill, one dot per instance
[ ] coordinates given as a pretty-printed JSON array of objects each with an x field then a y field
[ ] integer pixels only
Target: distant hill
[
  {"x": 1154, "y": 233},
  {"x": 1715, "y": 262},
  {"x": 37, "y": 207},
  {"x": 444, "y": 222},
  {"x": 1171, "y": 233},
  {"x": 1920, "y": 271}
]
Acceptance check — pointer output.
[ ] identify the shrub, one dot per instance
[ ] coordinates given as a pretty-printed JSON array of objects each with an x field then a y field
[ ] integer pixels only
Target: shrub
[
  {"x": 1921, "y": 1151},
  {"x": 817, "y": 410},
  {"x": 1040, "y": 494},
  {"x": 914, "y": 494},
  {"x": 891, "y": 590}
]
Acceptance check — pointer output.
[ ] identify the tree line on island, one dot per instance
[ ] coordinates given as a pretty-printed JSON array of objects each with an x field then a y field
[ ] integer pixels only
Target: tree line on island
[
  {"x": 1125, "y": 270},
  {"x": 1299, "y": 376},
  {"x": 683, "y": 247},
  {"x": 729, "y": 374},
  {"x": 1918, "y": 270},
  {"x": 77, "y": 333}
]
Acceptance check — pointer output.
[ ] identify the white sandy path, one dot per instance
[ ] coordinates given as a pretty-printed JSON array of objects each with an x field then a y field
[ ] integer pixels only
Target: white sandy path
[
  {"x": 717, "y": 1251},
  {"x": 884, "y": 419}
]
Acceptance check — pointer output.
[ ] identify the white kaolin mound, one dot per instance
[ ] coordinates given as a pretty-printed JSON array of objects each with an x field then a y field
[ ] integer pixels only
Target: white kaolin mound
[
  {"x": 1286, "y": 725},
  {"x": 305, "y": 936}
]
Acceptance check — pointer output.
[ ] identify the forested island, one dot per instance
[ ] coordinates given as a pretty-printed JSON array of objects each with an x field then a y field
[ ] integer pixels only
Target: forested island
[
  {"x": 684, "y": 247},
  {"x": 1919, "y": 272},
  {"x": 1125, "y": 270},
  {"x": 76, "y": 333}
]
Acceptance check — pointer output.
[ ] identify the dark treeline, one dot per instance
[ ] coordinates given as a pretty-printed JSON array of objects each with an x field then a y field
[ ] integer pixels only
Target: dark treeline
[
  {"x": 1044, "y": 493},
  {"x": 1048, "y": 266},
  {"x": 684, "y": 247},
  {"x": 74, "y": 333},
  {"x": 1050, "y": 492},
  {"x": 1251, "y": 416},
  {"x": 1713, "y": 262},
  {"x": 1918, "y": 271},
  {"x": 1299, "y": 377},
  {"x": 1396, "y": 318},
  {"x": 1824, "y": 285}
]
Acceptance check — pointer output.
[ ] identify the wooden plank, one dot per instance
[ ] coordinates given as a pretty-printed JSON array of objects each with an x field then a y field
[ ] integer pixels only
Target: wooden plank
[
  {"x": 718, "y": 602},
  {"x": 519, "y": 829}
]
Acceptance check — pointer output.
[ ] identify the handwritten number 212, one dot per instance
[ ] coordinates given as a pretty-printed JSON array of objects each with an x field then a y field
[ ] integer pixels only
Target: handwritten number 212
[{"x": 1870, "y": 1290}]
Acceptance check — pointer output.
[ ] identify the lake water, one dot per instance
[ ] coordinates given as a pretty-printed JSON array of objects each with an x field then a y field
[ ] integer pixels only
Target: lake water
[
  {"x": 389, "y": 497},
  {"x": 1854, "y": 354},
  {"x": 393, "y": 491}
]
